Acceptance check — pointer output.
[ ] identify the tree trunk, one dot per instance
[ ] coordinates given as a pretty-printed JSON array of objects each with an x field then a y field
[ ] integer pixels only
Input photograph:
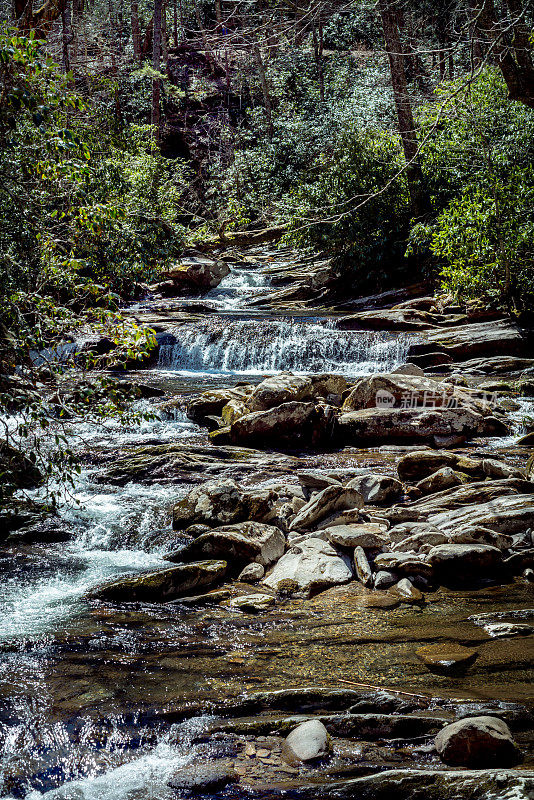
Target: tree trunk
[
  {"x": 164, "y": 39},
  {"x": 418, "y": 195},
  {"x": 136, "y": 32},
  {"x": 156, "y": 64},
  {"x": 318, "y": 50},
  {"x": 515, "y": 59},
  {"x": 66, "y": 35},
  {"x": 264, "y": 88},
  {"x": 175, "y": 24}
]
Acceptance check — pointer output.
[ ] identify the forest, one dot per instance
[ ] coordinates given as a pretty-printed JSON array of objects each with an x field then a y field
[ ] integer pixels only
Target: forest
[{"x": 266, "y": 399}]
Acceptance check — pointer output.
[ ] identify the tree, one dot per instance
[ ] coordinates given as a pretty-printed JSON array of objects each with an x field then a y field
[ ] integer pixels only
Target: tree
[{"x": 407, "y": 129}]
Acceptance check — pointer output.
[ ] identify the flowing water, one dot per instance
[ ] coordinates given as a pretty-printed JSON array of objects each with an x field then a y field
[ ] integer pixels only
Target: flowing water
[{"x": 92, "y": 698}]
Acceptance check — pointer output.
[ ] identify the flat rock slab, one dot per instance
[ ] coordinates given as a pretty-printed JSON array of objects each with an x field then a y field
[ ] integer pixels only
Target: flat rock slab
[
  {"x": 161, "y": 585},
  {"x": 497, "y": 337},
  {"x": 446, "y": 658}
]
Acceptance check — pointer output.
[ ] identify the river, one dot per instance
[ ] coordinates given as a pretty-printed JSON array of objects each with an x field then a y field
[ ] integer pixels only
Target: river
[{"x": 104, "y": 703}]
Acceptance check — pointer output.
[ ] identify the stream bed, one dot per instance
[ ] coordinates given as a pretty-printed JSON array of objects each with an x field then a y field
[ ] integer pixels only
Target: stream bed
[{"x": 103, "y": 702}]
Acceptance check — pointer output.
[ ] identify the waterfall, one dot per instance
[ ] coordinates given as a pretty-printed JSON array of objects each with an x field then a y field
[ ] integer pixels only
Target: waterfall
[{"x": 263, "y": 346}]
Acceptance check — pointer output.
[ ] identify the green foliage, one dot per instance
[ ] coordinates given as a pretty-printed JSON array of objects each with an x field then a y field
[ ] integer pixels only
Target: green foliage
[
  {"x": 478, "y": 162},
  {"x": 361, "y": 206}
]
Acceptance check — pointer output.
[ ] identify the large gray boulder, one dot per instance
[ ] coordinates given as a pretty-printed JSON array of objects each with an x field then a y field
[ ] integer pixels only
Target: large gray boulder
[
  {"x": 238, "y": 544},
  {"x": 493, "y": 338},
  {"x": 510, "y": 514},
  {"x": 376, "y": 489},
  {"x": 312, "y": 565},
  {"x": 324, "y": 504},
  {"x": 211, "y": 403},
  {"x": 308, "y": 742},
  {"x": 288, "y": 425},
  {"x": 368, "y": 535},
  {"x": 419, "y": 464},
  {"x": 193, "y": 275},
  {"x": 279, "y": 389},
  {"x": 410, "y": 391},
  {"x": 159, "y": 586},
  {"x": 461, "y": 561},
  {"x": 477, "y": 742},
  {"x": 222, "y": 502},
  {"x": 442, "y": 427}
]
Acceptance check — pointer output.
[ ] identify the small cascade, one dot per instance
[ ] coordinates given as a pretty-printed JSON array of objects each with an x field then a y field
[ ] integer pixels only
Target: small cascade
[{"x": 258, "y": 347}]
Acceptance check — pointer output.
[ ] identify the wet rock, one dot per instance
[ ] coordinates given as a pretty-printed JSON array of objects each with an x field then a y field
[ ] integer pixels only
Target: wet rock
[
  {"x": 324, "y": 504},
  {"x": 504, "y": 630},
  {"x": 316, "y": 480},
  {"x": 238, "y": 544},
  {"x": 384, "y": 579},
  {"x": 252, "y": 573},
  {"x": 420, "y": 464},
  {"x": 277, "y": 390},
  {"x": 361, "y": 567},
  {"x": 194, "y": 275},
  {"x": 444, "y": 478},
  {"x": 508, "y": 514},
  {"x": 477, "y": 742},
  {"x": 498, "y": 469},
  {"x": 404, "y": 563},
  {"x": 408, "y": 369},
  {"x": 222, "y": 502},
  {"x": 161, "y": 585},
  {"x": 408, "y": 392},
  {"x": 401, "y": 319},
  {"x": 526, "y": 441},
  {"x": 495, "y": 338},
  {"x": 481, "y": 535},
  {"x": 211, "y": 403},
  {"x": 368, "y": 535},
  {"x": 376, "y": 489},
  {"x": 17, "y": 470},
  {"x": 407, "y": 591},
  {"x": 446, "y": 658},
  {"x": 313, "y": 565},
  {"x": 464, "y": 561},
  {"x": 196, "y": 600},
  {"x": 253, "y": 603},
  {"x": 495, "y": 365},
  {"x": 203, "y": 779},
  {"x": 373, "y": 425},
  {"x": 308, "y": 742},
  {"x": 289, "y": 425},
  {"x": 25, "y": 522},
  {"x": 234, "y": 409}
]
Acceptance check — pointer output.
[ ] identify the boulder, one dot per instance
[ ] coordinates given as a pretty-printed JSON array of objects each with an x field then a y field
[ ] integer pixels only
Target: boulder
[
  {"x": 362, "y": 568},
  {"x": 444, "y": 427},
  {"x": 308, "y": 742},
  {"x": 194, "y": 275},
  {"x": 238, "y": 544},
  {"x": 420, "y": 464},
  {"x": 324, "y": 504},
  {"x": 376, "y": 489},
  {"x": 497, "y": 337},
  {"x": 412, "y": 392},
  {"x": 477, "y": 742},
  {"x": 234, "y": 409},
  {"x": 222, "y": 502},
  {"x": 404, "y": 563},
  {"x": 408, "y": 369},
  {"x": 384, "y": 579},
  {"x": 289, "y": 425},
  {"x": 444, "y": 478},
  {"x": 253, "y": 603},
  {"x": 407, "y": 591},
  {"x": 211, "y": 403},
  {"x": 314, "y": 480},
  {"x": 368, "y": 535},
  {"x": 510, "y": 514},
  {"x": 312, "y": 565},
  {"x": 159, "y": 586},
  {"x": 495, "y": 469},
  {"x": 481, "y": 491},
  {"x": 252, "y": 573},
  {"x": 461, "y": 561},
  {"x": 17, "y": 470},
  {"x": 277, "y": 390}
]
